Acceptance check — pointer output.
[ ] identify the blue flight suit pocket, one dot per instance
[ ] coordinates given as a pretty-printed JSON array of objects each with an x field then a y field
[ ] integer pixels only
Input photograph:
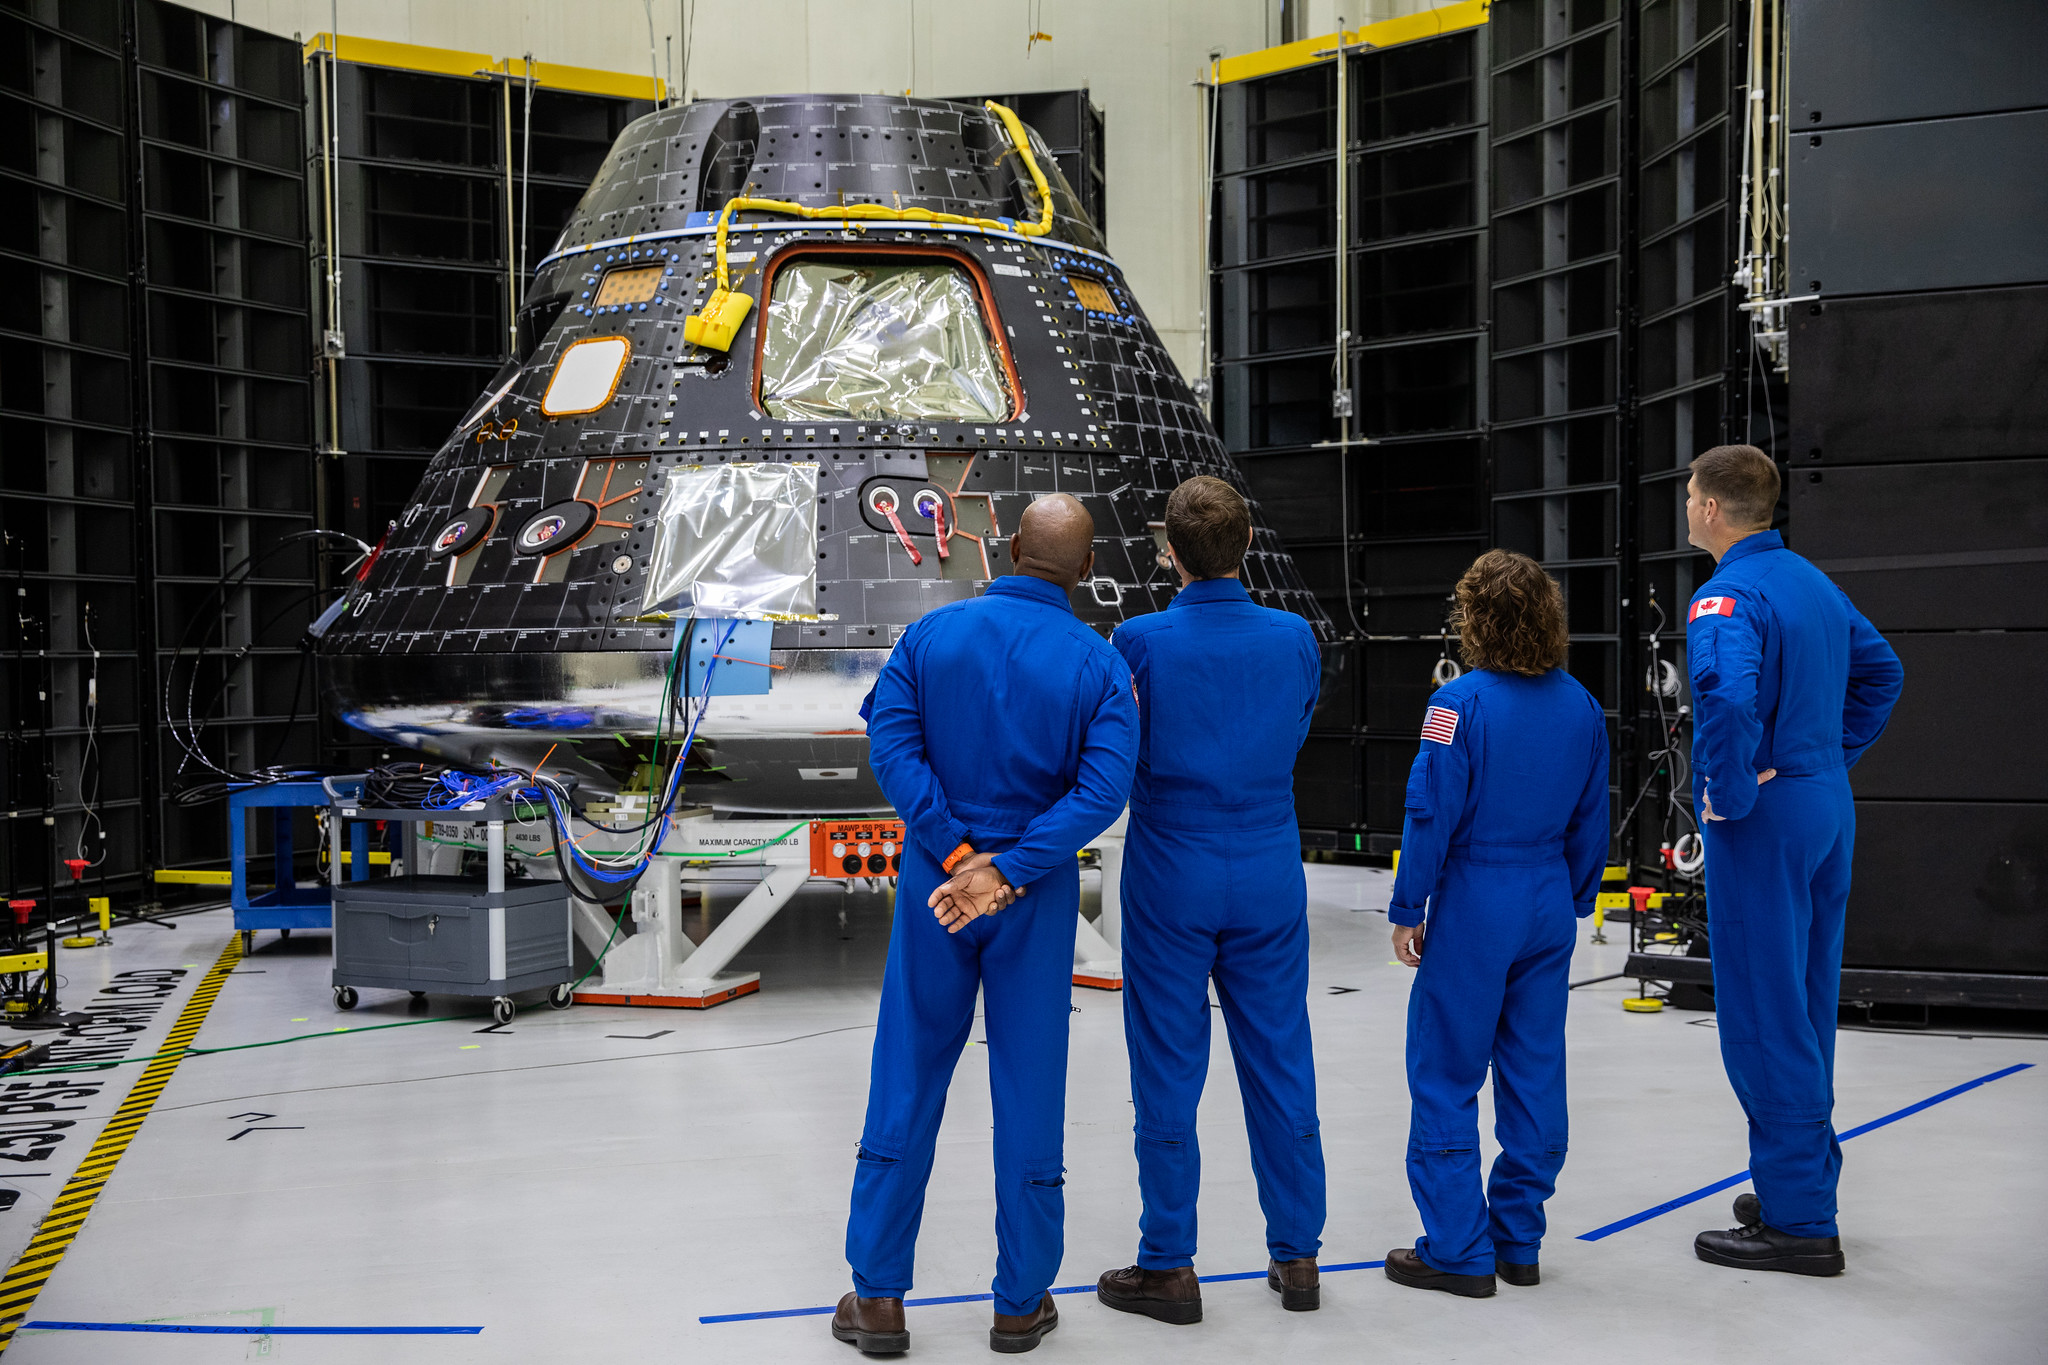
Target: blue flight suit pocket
[{"x": 1418, "y": 784}]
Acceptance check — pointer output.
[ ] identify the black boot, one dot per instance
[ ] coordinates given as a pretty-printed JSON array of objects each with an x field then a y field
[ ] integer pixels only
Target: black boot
[
  {"x": 1173, "y": 1296},
  {"x": 1298, "y": 1283},
  {"x": 1762, "y": 1247},
  {"x": 1523, "y": 1275},
  {"x": 874, "y": 1325},
  {"x": 1748, "y": 1212},
  {"x": 1405, "y": 1267}
]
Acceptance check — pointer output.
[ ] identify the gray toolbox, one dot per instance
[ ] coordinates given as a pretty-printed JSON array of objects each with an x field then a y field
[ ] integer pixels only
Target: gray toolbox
[{"x": 468, "y": 936}]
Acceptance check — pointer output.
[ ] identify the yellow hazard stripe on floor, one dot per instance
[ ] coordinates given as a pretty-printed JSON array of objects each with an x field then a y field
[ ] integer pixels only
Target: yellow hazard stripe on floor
[{"x": 27, "y": 1276}]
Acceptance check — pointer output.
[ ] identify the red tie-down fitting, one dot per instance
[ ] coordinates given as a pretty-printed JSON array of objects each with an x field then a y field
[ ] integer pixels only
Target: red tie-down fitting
[
  {"x": 1669, "y": 854},
  {"x": 931, "y": 503},
  {"x": 1641, "y": 896},
  {"x": 78, "y": 867},
  {"x": 883, "y": 500},
  {"x": 22, "y": 910}
]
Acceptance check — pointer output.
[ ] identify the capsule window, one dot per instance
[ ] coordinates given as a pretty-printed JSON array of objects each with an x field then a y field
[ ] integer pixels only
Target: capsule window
[
  {"x": 882, "y": 337},
  {"x": 586, "y": 376}
]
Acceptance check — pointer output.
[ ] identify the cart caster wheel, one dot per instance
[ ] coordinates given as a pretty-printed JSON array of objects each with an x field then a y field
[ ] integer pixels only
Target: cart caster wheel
[
  {"x": 345, "y": 997},
  {"x": 561, "y": 997},
  {"x": 248, "y": 942},
  {"x": 502, "y": 1009},
  {"x": 283, "y": 934}
]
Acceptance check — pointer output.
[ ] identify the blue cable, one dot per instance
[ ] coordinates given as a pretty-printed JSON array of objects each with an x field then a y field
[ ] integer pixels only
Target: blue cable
[{"x": 614, "y": 875}]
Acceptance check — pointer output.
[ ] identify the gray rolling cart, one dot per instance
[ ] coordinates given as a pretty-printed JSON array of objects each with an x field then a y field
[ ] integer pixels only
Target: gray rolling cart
[{"x": 449, "y": 935}]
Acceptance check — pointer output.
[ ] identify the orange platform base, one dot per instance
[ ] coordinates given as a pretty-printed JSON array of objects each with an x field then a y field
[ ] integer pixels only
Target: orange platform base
[
  {"x": 673, "y": 1002},
  {"x": 1100, "y": 983}
]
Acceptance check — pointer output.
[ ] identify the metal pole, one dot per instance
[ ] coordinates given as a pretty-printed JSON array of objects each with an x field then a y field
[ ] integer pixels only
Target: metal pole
[
  {"x": 511, "y": 237},
  {"x": 494, "y": 856},
  {"x": 525, "y": 176}
]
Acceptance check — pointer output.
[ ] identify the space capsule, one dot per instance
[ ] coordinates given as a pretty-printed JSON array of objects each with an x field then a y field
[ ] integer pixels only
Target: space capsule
[{"x": 918, "y": 330}]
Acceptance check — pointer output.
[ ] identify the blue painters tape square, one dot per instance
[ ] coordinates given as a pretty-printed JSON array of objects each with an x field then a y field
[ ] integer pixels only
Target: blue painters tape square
[{"x": 739, "y": 648}]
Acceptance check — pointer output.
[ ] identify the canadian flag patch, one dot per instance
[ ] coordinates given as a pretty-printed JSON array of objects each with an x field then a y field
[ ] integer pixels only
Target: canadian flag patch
[
  {"x": 1711, "y": 606},
  {"x": 1440, "y": 725}
]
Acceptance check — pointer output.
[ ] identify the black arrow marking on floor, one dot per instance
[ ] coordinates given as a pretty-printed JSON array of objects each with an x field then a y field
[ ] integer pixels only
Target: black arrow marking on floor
[
  {"x": 1343, "y": 990},
  {"x": 642, "y": 1037},
  {"x": 495, "y": 1028},
  {"x": 274, "y": 1128},
  {"x": 252, "y": 1116}
]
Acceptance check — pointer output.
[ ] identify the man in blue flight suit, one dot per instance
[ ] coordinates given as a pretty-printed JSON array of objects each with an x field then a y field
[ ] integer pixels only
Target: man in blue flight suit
[
  {"x": 1213, "y": 890},
  {"x": 1502, "y": 850},
  {"x": 1790, "y": 684},
  {"x": 1004, "y": 733}
]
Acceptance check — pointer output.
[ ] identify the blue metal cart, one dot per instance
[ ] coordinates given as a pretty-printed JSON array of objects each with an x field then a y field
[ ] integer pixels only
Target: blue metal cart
[{"x": 285, "y": 906}]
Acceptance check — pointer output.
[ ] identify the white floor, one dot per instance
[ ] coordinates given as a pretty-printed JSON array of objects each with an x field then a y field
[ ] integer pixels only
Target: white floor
[{"x": 588, "y": 1185}]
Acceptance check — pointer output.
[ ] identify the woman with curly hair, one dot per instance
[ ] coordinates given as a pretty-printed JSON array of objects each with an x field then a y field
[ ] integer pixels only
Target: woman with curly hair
[{"x": 1502, "y": 851}]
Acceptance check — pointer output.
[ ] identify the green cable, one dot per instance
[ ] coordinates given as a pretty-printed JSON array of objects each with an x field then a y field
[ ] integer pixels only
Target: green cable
[{"x": 403, "y": 1023}]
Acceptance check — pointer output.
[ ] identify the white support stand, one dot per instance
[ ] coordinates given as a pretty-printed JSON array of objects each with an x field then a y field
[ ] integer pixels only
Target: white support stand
[
  {"x": 1098, "y": 947},
  {"x": 658, "y": 964}
]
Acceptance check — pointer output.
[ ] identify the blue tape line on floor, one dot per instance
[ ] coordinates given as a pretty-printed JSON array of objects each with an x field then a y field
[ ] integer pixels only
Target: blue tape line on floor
[
  {"x": 1743, "y": 1175},
  {"x": 985, "y": 1298},
  {"x": 1595, "y": 1235},
  {"x": 252, "y": 1331}
]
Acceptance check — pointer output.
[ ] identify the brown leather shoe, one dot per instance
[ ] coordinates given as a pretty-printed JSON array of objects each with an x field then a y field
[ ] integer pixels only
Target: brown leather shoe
[
  {"x": 1298, "y": 1283},
  {"x": 1014, "y": 1335},
  {"x": 874, "y": 1325},
  {"x": 1405, "y": 1267},
  {"x": 1173, "y": 1296}
]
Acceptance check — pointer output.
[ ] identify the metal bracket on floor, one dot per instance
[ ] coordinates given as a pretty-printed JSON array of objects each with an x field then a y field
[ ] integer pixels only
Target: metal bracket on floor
[{"x": 659, "y": 964}]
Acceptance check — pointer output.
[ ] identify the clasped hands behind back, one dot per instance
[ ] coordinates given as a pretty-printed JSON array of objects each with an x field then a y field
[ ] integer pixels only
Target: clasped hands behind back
[{"x": 976, "y": 888}]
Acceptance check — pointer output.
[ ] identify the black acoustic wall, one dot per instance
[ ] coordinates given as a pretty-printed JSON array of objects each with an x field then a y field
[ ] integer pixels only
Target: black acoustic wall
[
  {"x": 1917, "y": 471},
  {"x": 1380, "y": 531},
  {"x": 154, "y": 426}
]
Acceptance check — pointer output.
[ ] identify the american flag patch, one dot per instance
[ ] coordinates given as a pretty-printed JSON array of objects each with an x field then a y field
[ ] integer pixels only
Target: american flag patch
[
  {"x": 1710, "y": 606},
  {"x": 1440, "y": 725}
]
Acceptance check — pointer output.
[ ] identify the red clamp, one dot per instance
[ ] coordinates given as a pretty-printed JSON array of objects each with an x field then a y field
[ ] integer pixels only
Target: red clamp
[
  {"x": 889, "y": 511},
  {"x": 78, "y": 867},
  {"x": 1641, "y": 896},
  {"x": 22, "y": 910},
  {"x": 932, "y": 504}
]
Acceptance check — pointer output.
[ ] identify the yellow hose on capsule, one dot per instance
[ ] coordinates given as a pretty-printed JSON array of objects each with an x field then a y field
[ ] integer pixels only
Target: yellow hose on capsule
[{"x": 716, "y": 324}]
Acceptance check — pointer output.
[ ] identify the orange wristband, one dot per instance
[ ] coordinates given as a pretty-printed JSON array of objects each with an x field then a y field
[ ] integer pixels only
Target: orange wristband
[{"x": 953, "y": 858}]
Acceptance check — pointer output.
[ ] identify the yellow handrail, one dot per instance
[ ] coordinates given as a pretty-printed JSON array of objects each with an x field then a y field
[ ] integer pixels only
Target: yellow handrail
[{"x": 716, "y": 324}]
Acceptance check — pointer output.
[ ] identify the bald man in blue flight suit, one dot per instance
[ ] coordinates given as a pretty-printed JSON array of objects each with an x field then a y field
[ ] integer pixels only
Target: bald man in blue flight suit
[
  {"x": 1790, "y": 685},
  {"x": 1004, "y": 732},
  {"x": 1213, "y": 891}
]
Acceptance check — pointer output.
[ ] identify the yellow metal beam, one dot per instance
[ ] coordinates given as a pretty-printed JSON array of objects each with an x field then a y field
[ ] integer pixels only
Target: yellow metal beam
[
  {"x": 23, "y": 962},
  {"x": 377, "y": 859},
  {"x": 1429, "y": 23},
  {"x": 439, "y": 61},
  {"x": 447, "y": 61},
  {"x": 195, "y": 876},
  {"x": 588, "y": 80}
]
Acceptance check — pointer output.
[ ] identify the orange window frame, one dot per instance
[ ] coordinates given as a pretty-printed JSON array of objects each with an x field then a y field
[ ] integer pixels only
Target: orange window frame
[
  {"x": 991, "y": 317},
  {"x": 611, "y": 389}
]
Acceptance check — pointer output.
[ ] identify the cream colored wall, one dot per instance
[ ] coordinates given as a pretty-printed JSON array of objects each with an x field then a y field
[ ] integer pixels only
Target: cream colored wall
[{"x": 1138, "y": 58}]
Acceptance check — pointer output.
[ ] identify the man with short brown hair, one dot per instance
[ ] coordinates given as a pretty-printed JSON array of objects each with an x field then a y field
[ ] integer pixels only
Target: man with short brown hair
[
  {"x": 1790, "y": 685},
  {"x": 1213, "y": 891}
]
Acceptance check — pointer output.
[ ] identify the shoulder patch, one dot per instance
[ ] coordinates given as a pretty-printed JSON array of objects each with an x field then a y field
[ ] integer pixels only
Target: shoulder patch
[
  {"x": 1710, "y": 606},
  {"x": 1440, "y": 725}
]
